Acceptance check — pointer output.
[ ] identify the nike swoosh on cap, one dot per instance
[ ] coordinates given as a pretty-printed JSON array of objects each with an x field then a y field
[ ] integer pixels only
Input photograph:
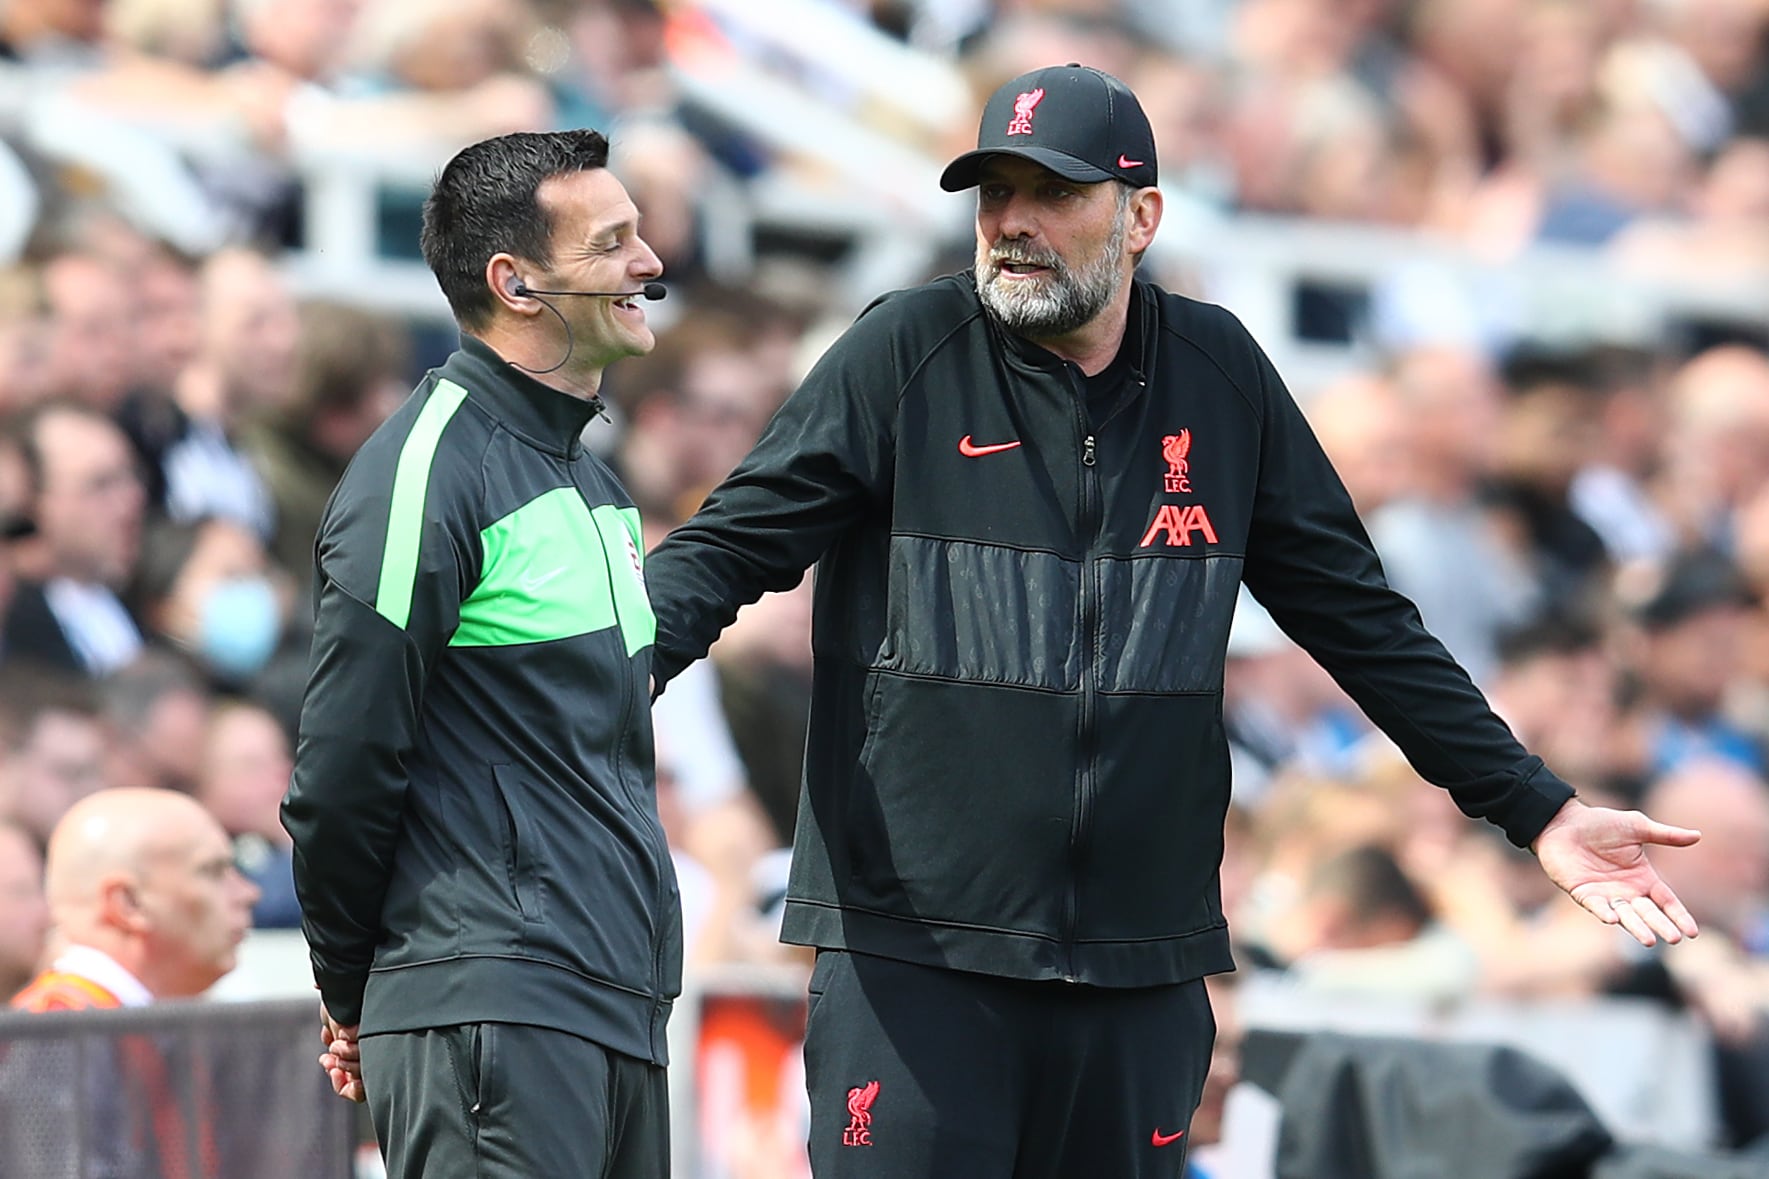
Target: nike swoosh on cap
[
  {"x": 970, "y": 450},
  {"x": 1125, "y": 161}
]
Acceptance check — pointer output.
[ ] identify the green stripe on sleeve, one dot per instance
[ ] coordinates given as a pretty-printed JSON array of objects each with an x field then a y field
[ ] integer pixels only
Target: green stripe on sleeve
[{"x": 405, "y": 516}]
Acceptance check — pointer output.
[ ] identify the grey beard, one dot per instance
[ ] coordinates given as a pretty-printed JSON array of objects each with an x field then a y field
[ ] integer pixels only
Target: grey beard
[{"x": 1068, "y": 300}]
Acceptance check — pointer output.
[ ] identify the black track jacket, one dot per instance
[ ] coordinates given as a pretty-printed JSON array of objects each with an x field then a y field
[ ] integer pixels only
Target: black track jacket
[
  {"x": 1016, "y": 762},
  {"x": 473, "y": 806}
]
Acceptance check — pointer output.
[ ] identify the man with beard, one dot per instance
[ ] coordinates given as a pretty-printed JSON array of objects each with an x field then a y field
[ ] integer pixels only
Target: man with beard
[{"x": 1032, "y": 493}]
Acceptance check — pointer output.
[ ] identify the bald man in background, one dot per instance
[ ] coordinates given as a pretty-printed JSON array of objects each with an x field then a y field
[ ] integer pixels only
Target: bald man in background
[{"x": 145, "y": 900}]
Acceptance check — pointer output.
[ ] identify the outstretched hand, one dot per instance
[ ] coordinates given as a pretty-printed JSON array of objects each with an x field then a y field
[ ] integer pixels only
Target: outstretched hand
[{"x": 1598, "y": 856}]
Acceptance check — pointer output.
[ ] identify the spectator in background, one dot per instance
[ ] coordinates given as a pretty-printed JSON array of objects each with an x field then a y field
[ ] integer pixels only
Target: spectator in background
[
  {"x": 26, "y": 370},
  {"x": 1548, "y": 432},
  {"x": 53, "y": 752},
  {"x": 1556, "y": 687},
  {"x": 92, "y": 319},
  {"x": 246, "y": 366},
  {"x": 1281, "y": 712},
  {"x": 146, "y": 901},
  {"x": 207, "y": 591},
  {"x": 1367, "y": 433},
  {"x": 1685, "y": 651},
  {"x": 168, "y": 337},
  {"x": 444, "y": 71},
  {"x": 764, "y": 677},
  {"x": 51, "y": 33},
  {"x": 1725, "y": 236},
  {"x": 1361, "y": 926},
  {"x": 86, "y": 504},
  {"x": 1613, "y": 492},
  {"x": 697, "y": 405},
  {"x": 156, "y": 710},
  {"x": 350, "y": 375},
  {"x": 1718, "y": 449},
  {"x": 1727, "y": 980},
  {"x": 1438, "y": 545},
  {"x": 244, "y": 775},
  {"x": 24, "y": 916}
]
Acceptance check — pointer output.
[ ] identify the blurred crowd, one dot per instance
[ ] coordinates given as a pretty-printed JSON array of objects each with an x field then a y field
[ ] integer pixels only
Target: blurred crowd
[{"x": 1584, "y": 522}]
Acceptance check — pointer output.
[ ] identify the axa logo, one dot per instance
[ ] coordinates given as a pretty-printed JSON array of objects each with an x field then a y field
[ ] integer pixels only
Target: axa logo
[
  {"x": 1023, "y": 106},
  {"x": 860, "y": 1099},
  {"x": 1174, "y": 448},
  {"x": 1178, "y": 522}
]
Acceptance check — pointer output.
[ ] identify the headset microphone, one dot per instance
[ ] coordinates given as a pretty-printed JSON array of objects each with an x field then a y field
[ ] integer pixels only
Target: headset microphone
[{"x": 651, "y": 290}]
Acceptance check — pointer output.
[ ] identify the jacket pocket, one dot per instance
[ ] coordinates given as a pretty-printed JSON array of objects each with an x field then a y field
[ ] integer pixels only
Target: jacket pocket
[
  {"x": 523, "y": 854},
  {"x": 869, "y": 711}
]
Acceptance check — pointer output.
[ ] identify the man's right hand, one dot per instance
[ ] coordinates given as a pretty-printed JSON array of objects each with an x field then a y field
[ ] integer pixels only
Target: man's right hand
[{"x": 342, "y": 1058}]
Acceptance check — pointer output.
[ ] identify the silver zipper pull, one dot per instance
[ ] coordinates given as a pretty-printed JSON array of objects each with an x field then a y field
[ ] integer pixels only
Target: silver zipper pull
[{"x": 1087, "y": 452}]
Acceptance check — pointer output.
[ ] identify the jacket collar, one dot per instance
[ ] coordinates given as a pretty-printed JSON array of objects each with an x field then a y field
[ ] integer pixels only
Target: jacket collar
[
  {"x": 1139, "y": 334},
  {"x": 537, "y": 413}
]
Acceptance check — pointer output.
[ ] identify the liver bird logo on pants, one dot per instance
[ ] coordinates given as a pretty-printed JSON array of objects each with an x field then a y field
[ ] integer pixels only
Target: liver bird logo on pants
[{"x": 860, "y": 1099}]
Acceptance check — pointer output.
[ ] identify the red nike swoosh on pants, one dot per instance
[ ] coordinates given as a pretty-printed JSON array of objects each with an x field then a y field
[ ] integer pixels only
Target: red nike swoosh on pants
[{"x": 1160, "y": 1139}]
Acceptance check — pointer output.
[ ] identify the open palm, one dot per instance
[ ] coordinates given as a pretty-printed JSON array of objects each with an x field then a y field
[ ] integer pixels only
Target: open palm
[{"x": 1598, "y": 856}]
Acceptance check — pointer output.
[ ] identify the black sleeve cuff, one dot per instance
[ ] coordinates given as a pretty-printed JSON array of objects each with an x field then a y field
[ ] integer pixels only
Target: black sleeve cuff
[{"x": 1537, "y": 801}]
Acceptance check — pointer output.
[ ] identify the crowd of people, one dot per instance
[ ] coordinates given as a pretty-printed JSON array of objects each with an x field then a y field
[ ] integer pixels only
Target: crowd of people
[{"x": 1585, "y": 524}]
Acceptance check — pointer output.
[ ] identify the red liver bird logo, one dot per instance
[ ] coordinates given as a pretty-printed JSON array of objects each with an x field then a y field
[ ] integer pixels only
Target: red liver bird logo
[
  {"x": 860, "y": 1099},
  {"x": 1023, "y": 106},
  {"x": 1174, "y": 448}
]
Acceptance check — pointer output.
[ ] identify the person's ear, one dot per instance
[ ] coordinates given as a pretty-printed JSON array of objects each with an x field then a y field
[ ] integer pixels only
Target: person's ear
[
  {"x": 1146, "y": 205},
  {"x": 119, "y": 903},
  {"x": 504, "y": 277}
]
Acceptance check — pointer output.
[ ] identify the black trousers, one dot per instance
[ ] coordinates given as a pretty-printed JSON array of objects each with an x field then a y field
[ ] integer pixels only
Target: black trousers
[
  {"x": 920, "y": 1073},
  {"x": 511, "y": 1101}
]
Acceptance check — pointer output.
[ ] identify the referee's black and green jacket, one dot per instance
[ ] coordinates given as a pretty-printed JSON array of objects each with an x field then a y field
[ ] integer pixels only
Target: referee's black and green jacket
[{"x": 473, "y": 803}]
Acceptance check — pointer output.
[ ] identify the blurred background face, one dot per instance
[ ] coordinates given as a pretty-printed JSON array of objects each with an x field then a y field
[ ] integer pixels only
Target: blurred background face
[
  {"x": 303, "y": 37},
  {"x": 90, "y": 505},
  {"x": 225, "y": 604},
  {"x": 168, "y": 326},
  {"x": 1724, "y": 879},
  {"x": 93, "y": 310},
  {"x": 1689, "y": 664},
  {"x": 198, "y": 907},
  {"x": 59, "y": 762},
  {"x": 246, "y": 767},
  {"x": 251, "y": 330},
  {"x": 1453, "y": 405}
]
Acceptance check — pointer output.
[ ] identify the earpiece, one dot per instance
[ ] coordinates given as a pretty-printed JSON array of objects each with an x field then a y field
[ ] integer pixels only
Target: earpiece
[{"x": 520, "y": 288}]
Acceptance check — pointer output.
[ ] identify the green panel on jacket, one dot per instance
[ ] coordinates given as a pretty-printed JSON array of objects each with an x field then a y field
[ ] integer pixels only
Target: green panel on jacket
[
  {"x": 553, "y": 569},
  {"x": 623, "y": 538}
]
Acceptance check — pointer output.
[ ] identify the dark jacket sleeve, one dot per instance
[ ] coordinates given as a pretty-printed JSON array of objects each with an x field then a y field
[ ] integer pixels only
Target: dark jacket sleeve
[
  {"x": 373, "y": 651},
  {"x": 825, "y": 455},
  {"x": 1310, "y": 562}
]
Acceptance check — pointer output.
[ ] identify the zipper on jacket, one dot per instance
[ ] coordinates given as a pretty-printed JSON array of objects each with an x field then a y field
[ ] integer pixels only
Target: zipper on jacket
[
  {"x": 659, "y": 923},
  {"x": 1082, "y": 814}
]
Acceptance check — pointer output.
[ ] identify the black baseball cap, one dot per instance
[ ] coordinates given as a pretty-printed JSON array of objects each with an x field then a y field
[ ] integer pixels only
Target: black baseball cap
[{"x": 1079, "y": 122}]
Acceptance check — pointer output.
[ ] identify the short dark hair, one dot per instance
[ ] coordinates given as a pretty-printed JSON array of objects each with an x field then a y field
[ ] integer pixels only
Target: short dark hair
[{"x": 485, "y": 203}]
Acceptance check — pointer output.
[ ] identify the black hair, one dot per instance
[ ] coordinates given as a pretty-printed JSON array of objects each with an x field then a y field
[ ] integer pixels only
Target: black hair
[{"x": 485, "y": 203}]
